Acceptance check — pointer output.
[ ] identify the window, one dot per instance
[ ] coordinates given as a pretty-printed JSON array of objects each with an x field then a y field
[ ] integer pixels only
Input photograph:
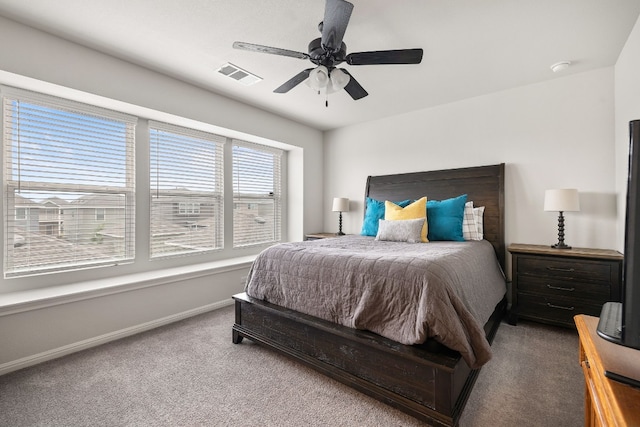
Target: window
[
  {"x": 186, "y": 177},
  {"x": 189, "y": 208},
  {"x": 69, "y": 188},
  {"x": 61, "y": 160},
  {"x": 257, "y": 194},
  {"x": 21, "y": 213}
]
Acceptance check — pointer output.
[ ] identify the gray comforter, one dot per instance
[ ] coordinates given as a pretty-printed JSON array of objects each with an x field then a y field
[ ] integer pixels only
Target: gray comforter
[{"x": 402, "y": 291}]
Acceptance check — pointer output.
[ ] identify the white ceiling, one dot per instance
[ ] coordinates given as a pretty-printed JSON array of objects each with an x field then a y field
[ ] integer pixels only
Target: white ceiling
[{"x": 471, "y": 47}]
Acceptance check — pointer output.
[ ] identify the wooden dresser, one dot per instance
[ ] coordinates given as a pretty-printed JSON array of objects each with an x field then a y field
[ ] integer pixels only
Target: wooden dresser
[
  {"x": 607, "y": 402},
  {"x": 553, "y": 285}
]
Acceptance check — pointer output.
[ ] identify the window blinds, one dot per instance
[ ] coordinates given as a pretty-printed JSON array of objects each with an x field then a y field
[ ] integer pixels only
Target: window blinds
[
  {"x": 68, "y": 184},
  {"x": 257, "y": 194},
  {"x": 186, "y": 178}
]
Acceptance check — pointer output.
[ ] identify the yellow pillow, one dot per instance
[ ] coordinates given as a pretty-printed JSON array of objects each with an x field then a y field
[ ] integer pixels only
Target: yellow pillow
[{"x": 415, "y": 210}]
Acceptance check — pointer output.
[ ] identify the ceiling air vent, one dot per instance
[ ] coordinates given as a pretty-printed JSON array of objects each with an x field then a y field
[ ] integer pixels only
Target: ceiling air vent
[{"x": 238, "y": 74}]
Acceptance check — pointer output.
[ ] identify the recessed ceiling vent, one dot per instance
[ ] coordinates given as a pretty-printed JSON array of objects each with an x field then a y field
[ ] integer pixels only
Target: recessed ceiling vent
[{"x": 238, "y": 74}]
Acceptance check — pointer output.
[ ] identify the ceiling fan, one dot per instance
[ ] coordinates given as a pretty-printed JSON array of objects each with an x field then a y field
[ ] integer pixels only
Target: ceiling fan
[{"x": 329, "y": 51}]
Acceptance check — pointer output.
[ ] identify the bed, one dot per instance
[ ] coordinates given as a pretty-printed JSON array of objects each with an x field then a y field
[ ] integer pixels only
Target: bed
[{"x": 427, "y": 380}]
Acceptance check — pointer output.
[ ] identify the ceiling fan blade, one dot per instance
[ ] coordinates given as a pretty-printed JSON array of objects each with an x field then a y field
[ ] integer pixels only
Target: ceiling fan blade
[
  {"x": 267, "y": 49},
  {"x": 353, "y": 88},
  {"x": 294, "y": 81},
  {"x": 336, "y": 18},
  {"x": 401, "y": 56}
]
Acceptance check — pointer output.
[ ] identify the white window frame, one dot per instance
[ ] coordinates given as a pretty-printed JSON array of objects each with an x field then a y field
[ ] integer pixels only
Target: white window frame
[
  {"x": 253, "y": 199},
  {"x": 13, "y": 186},
  {"x": 188, "y": 208},
  {"x": 199, "y": 223},
  {"x": 23, "y": 215}
]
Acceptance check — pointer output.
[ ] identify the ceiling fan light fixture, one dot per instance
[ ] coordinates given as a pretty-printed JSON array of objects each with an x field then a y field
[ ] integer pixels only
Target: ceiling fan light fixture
[
  {"x": 329, "y": 51},
  {"x": 319, "y": 78},
  {"x": 323, "y": 80},
  {"x": 339, "y": 79}
]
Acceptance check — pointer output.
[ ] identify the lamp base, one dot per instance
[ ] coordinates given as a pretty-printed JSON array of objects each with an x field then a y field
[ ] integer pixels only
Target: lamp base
[
  {"x": 340, "y": 233},
  {"x": 560, "y": 244}
]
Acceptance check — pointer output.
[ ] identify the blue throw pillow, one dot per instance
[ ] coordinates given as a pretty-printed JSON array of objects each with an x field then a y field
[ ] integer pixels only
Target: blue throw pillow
[
  {"x": 445, "y": 218},
  {"x": 374, "y": 212}
]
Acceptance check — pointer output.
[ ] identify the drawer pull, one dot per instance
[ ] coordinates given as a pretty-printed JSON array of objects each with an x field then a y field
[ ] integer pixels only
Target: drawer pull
[
  {"x": 560, "y": 307},
  {"x": 566, "y": 270},
  {"x": 560, "y": 288}
]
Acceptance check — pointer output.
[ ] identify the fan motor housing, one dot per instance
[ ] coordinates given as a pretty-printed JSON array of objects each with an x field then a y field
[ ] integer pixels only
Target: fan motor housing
[{"x": 321, "y": 56}]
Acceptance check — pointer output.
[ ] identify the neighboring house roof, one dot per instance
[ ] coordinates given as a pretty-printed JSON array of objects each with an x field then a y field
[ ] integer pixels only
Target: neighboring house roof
[
  {"x": 57, "y": 201},
  {"x": 196, "y": 238},
  {"x": 203, "y": 199},
  {"x": 98, "y": 201},
  {"x": 168, "y": 228},
  {"x": 23, "y": 202},
  {"x": 197, "y": 235},
  {"x": 40, "y": 249},
  {"x": 114, "y": 232}
]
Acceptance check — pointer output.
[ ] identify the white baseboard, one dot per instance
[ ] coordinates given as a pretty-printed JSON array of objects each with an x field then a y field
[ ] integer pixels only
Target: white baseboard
[{"x": 25, "y": 362}]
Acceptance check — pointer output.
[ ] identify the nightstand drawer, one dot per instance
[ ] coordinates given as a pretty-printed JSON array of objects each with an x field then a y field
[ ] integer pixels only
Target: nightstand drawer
[
  {"x": 555, "y": 309},
  {"x": 598, "y": 293},
  {"x": 565, "y": 268}
]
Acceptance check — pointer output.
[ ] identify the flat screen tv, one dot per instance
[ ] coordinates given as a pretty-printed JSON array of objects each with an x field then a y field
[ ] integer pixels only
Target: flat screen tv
[{"x": 620, "y": 321}]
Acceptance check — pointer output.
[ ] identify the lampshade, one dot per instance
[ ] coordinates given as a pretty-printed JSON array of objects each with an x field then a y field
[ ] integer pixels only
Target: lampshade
[
  {"x": 340, "y": 204},
  {"x": 562, "y": 200}
]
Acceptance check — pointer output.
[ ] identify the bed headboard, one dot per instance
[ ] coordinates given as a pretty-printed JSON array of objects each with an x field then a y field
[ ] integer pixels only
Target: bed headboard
[{"x": 483, "y": 184}]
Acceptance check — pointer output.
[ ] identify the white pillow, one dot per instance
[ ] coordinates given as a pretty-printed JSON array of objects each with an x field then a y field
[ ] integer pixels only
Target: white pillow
[
  {"x": 469, "y": 229},
  {"x": 400, "y": 230},
  {"x": 469, "y": 223},
  {"x": 478, "y": 214}
]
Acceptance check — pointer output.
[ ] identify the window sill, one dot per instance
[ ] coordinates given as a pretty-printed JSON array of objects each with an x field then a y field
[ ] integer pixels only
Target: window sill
[{"x": 33, "y": 299}]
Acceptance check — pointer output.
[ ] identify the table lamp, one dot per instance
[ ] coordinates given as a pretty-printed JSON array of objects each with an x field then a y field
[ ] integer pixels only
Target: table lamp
[
  {"x": 562, "y": 200},
  {"x": 340, "y": 204}
]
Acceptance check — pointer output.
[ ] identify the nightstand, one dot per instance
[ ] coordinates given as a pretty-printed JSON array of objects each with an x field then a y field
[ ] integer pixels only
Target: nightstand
[
  {"x": 553, "y": 285},
  {"x": 316, "y": 236}
]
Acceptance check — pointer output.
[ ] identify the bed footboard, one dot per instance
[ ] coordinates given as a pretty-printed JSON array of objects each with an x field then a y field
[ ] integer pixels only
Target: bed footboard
[{"x": 431, "y": 385}]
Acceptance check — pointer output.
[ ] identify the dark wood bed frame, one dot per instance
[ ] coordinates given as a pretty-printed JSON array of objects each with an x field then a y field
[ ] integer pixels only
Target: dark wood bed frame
[{"x": 427, "y": 381}]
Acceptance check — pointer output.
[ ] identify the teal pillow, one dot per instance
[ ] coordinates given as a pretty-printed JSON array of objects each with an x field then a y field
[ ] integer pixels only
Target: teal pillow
[
  {"x": 445, "y": 218},
  {"x": 374, "y": 212}
]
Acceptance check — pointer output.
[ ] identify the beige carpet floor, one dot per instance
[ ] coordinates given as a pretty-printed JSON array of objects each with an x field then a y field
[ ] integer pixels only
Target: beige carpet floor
[{"x": 190, "y": 374}]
